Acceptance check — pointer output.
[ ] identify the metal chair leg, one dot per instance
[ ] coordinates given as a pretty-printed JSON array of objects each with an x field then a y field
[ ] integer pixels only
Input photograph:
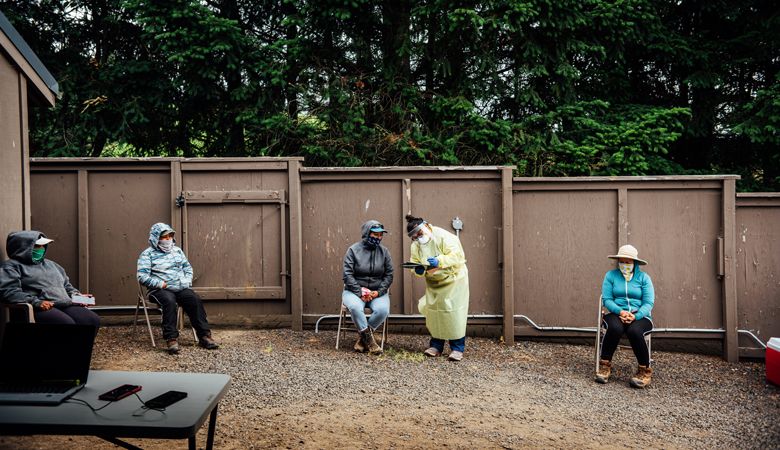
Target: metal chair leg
[
  {"x": 384, "y": 334},
  {"x": 598, "y": 336},
  {"x": 649, "y": 342},
  {"x": 149, "y": 324},
  {"x": 338, "y": 331}
]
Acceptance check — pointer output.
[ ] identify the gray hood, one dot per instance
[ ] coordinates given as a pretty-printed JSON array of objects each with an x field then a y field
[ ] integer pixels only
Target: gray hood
[
  {"x": 19, "y": 245},
  {"x": 366, "y": 228}
]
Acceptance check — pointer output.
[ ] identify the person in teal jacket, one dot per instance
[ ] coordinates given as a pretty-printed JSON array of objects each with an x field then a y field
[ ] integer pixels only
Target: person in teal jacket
[{"x": 628, "y": 294}]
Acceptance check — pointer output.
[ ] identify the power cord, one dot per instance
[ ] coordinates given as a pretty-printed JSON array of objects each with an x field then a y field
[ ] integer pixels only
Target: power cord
[{"x": 85, "y": 403}]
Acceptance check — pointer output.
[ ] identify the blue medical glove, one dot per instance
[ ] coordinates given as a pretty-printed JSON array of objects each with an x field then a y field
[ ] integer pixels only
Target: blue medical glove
[
  {"x": 433, "y": 262},
  {"x": 419, "y": 270}
]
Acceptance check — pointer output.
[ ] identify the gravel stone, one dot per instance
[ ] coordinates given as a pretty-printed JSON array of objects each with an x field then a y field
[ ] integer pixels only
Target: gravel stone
[{"x": 294, "y": 390}]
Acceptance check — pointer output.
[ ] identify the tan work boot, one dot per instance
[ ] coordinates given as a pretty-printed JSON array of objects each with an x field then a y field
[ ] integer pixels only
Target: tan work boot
[
  {"x": 605, "y": 370},
  {"x": 373, "y": 347},
  {"x": 642, "y": 377},
  {"x": 359, "y": 346}
]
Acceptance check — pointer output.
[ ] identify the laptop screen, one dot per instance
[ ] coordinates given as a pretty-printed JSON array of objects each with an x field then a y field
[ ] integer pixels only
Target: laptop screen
[{"x": 32, "y": 352}]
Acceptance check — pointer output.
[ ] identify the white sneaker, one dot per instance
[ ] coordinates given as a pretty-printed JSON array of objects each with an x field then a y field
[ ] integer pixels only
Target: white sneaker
[
  {"x": 432, "y": 352},
  {"x": 455, "y": 355}
]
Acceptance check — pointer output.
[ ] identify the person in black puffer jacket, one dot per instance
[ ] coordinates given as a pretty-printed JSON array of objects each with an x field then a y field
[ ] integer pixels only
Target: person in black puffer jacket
[{"x": 368, "y": 274}]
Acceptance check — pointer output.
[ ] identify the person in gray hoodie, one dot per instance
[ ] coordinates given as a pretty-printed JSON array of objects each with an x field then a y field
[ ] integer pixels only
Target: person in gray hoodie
[
  {"x": 368, "y": 274},
  {"x": 28, "y": 277}
]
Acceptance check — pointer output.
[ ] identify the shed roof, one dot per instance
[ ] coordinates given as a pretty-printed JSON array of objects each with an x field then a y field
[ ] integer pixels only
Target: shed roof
[{"x": 13, "y": 45}]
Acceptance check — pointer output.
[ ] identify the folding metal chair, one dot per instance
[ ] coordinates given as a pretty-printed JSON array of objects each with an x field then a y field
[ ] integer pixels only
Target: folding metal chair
[
  {"x": 146, "y": 305},
  {"x": 601, "y": 330},
  {"x": 345, "y": 319}
]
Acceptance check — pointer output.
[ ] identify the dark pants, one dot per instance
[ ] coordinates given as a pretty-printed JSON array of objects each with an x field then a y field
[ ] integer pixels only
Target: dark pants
[
  {"x": 68, "y": 315},
  {"x": 190, "y": 303},
  {"x": 455, "y": 344},
  {"x": 635, "y": 331}
]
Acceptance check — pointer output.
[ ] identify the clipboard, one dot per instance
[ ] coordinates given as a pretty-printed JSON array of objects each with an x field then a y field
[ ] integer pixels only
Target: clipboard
[{"x": 414, "y": 265}]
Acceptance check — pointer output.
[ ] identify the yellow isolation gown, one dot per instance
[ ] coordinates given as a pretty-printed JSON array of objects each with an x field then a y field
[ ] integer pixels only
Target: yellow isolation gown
[{"x": 446, "y": 301}]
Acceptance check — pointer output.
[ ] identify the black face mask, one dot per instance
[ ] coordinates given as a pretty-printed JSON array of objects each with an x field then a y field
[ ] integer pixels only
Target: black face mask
[{"x": 372, "y": 242}]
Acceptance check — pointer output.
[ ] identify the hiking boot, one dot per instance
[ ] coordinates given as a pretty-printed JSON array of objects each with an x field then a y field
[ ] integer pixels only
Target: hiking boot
[
  {"x": 373, "y": 347},
  {"x": 173, "y": 346},
  {"x": 642, "y": 377},
  {"x": 359, "y": 345},
  {"x": 432, "y": 352},
  {"x": 208, "y": 343},
  {"x": 455, "y": 355},
  {"x": 605, "y": 370}
]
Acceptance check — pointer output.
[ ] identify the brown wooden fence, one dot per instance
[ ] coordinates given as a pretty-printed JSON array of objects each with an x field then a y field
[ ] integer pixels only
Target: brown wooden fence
[{"x": 266, "y": 238}]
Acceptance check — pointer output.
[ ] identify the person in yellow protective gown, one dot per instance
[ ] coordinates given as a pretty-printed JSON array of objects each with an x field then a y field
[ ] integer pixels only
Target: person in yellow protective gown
[{"x": 445, "y": 304}]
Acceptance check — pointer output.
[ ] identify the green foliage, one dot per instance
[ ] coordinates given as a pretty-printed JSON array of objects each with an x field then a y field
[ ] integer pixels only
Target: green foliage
[{"x": 557, "y": 88}]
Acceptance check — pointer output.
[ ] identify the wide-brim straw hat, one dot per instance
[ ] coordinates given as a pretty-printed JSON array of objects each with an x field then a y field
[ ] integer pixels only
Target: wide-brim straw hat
[{"x": 630, "y": 252}]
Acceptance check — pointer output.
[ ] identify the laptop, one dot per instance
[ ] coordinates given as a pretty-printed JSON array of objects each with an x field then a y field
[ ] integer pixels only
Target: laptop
[{"x": 44, "y": 364}]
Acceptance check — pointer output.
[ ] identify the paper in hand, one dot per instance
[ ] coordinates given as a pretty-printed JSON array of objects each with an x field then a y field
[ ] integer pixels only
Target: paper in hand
[{"x": 83, "y": 300}]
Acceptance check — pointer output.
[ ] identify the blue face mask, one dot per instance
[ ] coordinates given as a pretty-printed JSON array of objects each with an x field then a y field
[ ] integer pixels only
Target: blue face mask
[{"x": 373, "y": 242}]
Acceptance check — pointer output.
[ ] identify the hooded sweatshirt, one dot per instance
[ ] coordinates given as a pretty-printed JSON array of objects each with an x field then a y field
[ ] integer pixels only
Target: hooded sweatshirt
[
  {"x": 367, "y": 266},
  {"x": 156, "y": 267},
  {"x": 24, "y": 281}
]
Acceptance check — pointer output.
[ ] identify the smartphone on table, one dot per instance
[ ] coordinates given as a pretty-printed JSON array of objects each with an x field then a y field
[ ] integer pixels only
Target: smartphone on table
[
  {"x": 165, "y": 400},
  {"x": 119, "y": 393}
]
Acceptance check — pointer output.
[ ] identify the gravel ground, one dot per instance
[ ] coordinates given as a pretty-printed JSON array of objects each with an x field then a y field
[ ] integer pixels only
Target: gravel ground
[{"x": 294, "y": 390}]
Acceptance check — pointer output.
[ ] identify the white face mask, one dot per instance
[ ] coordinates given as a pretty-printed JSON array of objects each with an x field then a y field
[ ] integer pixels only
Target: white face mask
[
  {"x": 424, "y": 239},
  {"x": 626, "y": 269},
  {"x": 165, "y": 245}
]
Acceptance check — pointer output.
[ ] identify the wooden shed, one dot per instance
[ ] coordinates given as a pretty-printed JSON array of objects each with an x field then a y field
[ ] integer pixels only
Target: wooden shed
[{"x": 23, "y": 77}]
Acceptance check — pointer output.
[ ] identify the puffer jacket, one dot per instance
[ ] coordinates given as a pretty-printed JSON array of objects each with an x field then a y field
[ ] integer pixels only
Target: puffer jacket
[
  {"x": 367, "y": 267},
  {"x": 24, "y": 281},
  {"x": 156, "y": 267}
]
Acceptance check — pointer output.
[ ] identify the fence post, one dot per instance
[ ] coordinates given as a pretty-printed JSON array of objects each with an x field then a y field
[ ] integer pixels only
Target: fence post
[
  {"x": 176, "y": 211},
  {"x": 731, "y": 338},
  {"x": 296, "y": 242},
  {"x": 406, "y": 208},
  {"x": 507, "y": 255},
  {"x": 83, "y": 229}
]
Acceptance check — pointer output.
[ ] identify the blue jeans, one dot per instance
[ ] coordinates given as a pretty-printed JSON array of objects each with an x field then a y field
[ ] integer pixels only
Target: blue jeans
[
  {"x": 380, "y": 308},
  {"x": 456, "y": 345}
]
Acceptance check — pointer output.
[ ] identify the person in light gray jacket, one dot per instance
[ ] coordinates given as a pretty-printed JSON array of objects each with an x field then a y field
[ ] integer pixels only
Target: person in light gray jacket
[
  {"x": 368, "y": 274},
  {"x": 167, "y": 274},
  {"x": 28, "y": 277}
]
